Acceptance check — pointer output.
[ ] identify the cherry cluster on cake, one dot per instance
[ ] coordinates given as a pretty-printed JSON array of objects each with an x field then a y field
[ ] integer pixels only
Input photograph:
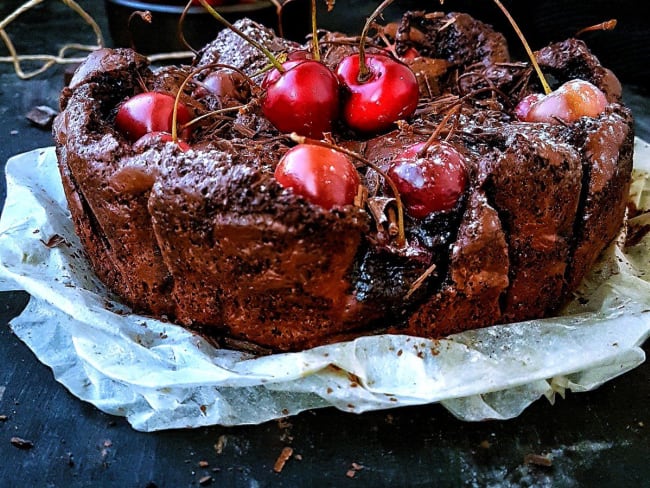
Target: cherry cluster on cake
[{"x": 416, "y": 180}]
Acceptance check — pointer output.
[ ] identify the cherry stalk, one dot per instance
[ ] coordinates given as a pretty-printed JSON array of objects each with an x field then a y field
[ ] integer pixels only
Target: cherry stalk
[
  {"x": 314, "y": 33},
  {"x": 603, "y": 26},
  {"x": 529, "y": 51},
  {"x": 274, "y": 61},
  {"x": 364, "y": 71}
]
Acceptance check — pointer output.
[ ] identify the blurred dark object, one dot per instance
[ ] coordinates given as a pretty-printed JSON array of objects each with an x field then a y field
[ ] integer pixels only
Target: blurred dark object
[
  {"x": 626, "y": 49},
  {"x": 199, "y": 28}
]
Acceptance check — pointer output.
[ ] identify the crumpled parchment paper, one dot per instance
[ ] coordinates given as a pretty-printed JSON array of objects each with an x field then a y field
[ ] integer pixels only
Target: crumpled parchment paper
[{"x": 161, "y": 376}]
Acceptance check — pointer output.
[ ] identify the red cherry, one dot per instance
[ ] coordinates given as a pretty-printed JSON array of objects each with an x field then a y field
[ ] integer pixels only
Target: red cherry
[
  {"x": 149, "y": 112},
  {"x": 571, "y": 101},
  {"x": 152, "y": 138},
  {"x": 302, "y": 99},
  {"x": 430, "y": 183},
  {"x": 389, "y": 94},
  {"x": 323, "y": 176}
]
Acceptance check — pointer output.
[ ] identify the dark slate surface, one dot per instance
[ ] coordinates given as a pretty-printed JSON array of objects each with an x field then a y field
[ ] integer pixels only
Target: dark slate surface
[{"x": 601, "y": 438}]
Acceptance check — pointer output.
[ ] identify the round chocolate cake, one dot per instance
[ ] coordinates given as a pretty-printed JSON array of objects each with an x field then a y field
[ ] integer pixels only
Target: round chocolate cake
[{"x": 477, "y": 205}]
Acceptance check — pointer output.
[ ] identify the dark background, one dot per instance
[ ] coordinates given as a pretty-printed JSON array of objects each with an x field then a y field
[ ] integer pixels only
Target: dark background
[{"x": 600, "y": 438}]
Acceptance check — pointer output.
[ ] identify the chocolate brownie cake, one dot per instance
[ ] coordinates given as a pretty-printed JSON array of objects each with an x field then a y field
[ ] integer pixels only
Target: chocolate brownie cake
[{"x": 203, "y": 233}]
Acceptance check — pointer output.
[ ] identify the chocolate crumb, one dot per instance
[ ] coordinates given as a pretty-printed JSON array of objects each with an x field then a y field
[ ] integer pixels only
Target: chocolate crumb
[
  {"x": 284, "y": 423},
  {"x": 54, "y": 241},
  {"x": 354, "y": 468},
  {"x": 21, "y": 443},
  {"x": 284, "y": 456},
  {"x": 41, "y": 116},
  {"x": 539, "y": 460},
  {"x": 221, "y": 443},
  {"x": 485, "y": 444}
]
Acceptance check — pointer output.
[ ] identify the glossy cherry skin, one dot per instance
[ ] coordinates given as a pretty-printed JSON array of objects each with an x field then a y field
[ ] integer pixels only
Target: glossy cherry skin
[
  {"x": 149, "y": 112},
  {"x": 430, "y": 183},
  {"x": 302, "y": 99},
  {"x": 571, "y": 101},
  {"x": 389, "y": 94},
  {"x": 323, "y": 176},
  {"x": 151, "y": 138}
]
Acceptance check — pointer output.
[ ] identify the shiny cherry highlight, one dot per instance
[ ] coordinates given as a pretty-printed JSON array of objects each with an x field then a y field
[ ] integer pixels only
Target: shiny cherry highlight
[
  {"x": 387, "y": 94},
  {"x": 304, "y": 98},
  {"x": 429, "y": 182},
  {"x": 149, "y": 112},
  {"x": 321, "y": 175}
]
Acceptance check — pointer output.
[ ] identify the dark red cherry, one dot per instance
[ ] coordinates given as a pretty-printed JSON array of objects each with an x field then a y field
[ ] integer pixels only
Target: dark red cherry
[
  {"x": 152, "y": 138},
  {"x": 429, "y": 183},
  {"x": 390, "y": 92},
  {"x": 149, "y": 112},
  {"x": 224, "y": 83},
  {"x": 302, "y": 99},
  {"x": 571, "y": 101},
  {"x": 321, "y": 175}
]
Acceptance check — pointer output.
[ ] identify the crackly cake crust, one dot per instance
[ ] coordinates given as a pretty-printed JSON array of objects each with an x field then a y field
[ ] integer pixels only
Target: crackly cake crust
[{"x": 209, "y": 239}]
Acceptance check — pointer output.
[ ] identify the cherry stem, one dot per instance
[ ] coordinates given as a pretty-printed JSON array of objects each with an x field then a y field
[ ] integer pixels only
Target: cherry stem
[
  {"x": 145, "y": 16},
  {"x": 364, "y": 71},
  {"x": 434, "y": 136},
  {"x": 278, "y": 11},
  {"x": 401, "y": 234},
  {"x": 314, "y": 33},
  {"x": 603, "y": 26},
  {"x": 529, "y": 51},
  {"x": 274, "y": 61},
  {"x": 181, "y": 22},
  {"x": 198, "y": 119},
  {"x": 418, "y": 282}
]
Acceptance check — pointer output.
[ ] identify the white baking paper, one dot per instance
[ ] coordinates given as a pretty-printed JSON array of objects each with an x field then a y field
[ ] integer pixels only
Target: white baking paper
[{"x": 161, "y": 376}]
